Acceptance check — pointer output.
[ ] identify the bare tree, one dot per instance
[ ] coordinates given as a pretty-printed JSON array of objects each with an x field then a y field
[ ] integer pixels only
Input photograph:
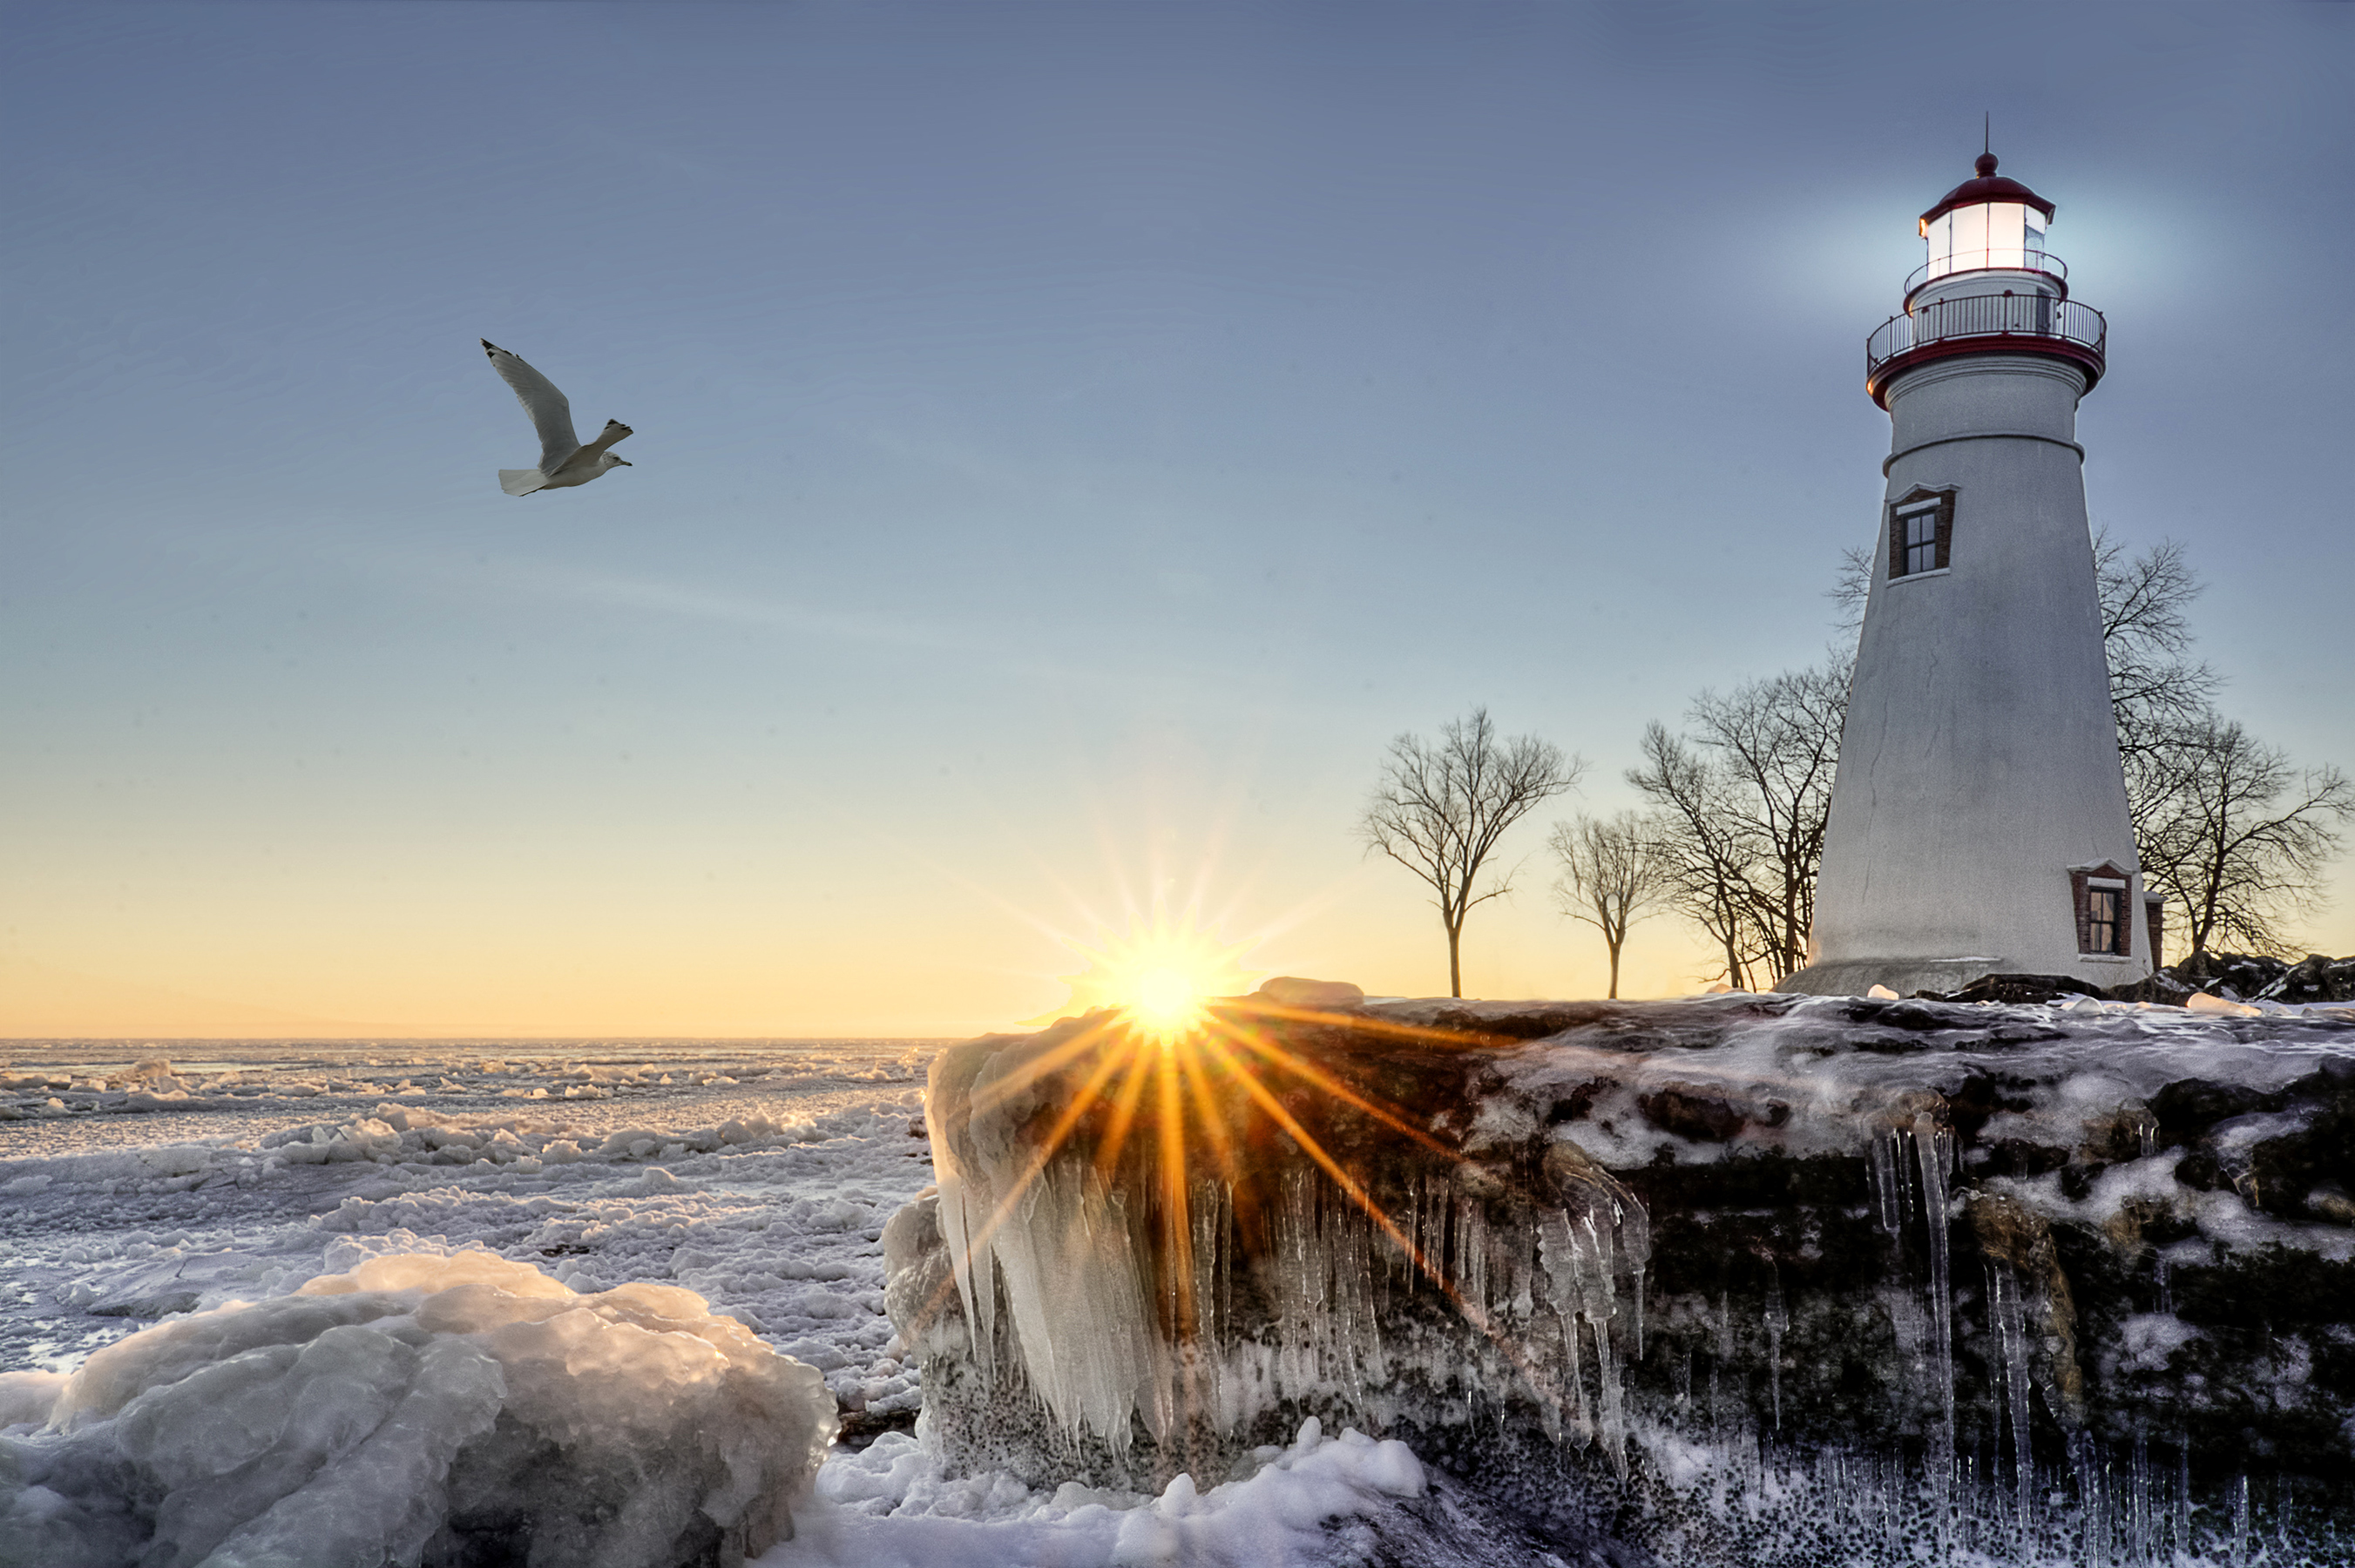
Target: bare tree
[
  {"x": 1713, "y": 865},
  {"x": 2234, "y": 835},
  {"x": 2155, "y": 688},
  {"x": 1851, "y": 586},
  {"x": 1744, "y": 802},
  {"x": 1441, "y": 808},
  {"x": 1779, "y": 739},
  {"x": 1613, "y": 875}
]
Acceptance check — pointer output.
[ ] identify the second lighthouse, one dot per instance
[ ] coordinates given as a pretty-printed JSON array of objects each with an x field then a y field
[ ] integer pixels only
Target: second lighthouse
[{"x": 1978, "y": 818}]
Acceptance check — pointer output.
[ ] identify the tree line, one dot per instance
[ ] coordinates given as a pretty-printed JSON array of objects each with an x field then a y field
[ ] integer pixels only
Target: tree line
[{"x": 2233, "y": 835}]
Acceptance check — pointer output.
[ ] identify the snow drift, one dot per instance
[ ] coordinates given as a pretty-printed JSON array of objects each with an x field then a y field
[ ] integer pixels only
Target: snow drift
[{"x": 453, "y": 1410}]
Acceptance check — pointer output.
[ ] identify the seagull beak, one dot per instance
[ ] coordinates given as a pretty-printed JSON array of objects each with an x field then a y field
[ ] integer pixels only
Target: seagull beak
[{"x": 625, "y": 463}]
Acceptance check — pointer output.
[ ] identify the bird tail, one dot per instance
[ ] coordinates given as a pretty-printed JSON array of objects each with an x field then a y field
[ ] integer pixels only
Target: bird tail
[{"x": 521, "y": 481}]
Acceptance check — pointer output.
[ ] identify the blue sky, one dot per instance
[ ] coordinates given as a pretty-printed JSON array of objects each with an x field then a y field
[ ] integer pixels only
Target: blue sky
[{"x": 1071, "y": 441}]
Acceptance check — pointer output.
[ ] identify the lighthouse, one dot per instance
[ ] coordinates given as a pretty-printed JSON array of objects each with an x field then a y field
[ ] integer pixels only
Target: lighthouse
[{"x": 1978, "y": 818}]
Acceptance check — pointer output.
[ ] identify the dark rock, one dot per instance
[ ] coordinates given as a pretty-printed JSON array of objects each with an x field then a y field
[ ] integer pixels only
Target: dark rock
[
  {"x": 2236, "y": 977},
  {"x": 2018, "y": 988},
  {"x": 2188, "y": 1107},
  {"x": 1692, "y": 1112},
  {"x": 2201, "y": 1172},
  {"x": 2161, "y": 989},
  {"x": 2315, "y": 978},
  {"x": 2247, "y": 977}
]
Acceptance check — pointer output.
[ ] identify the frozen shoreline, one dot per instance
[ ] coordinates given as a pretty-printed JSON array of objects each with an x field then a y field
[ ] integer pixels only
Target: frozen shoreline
[{"x": 760, "y": 1176}]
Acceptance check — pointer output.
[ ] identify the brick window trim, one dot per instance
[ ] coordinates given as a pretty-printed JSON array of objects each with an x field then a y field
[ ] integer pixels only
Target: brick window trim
[
  {"x": 1914, "y": 499},
  {"x": 2080, "y": 890}
]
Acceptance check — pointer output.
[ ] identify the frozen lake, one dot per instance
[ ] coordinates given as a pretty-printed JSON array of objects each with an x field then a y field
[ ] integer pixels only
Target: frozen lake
[{"x": 130, "y": 1194}]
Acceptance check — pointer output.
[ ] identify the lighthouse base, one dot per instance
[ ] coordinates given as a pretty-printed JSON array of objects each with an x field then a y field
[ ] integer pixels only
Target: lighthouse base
[{"x": 1856, "y": 977}]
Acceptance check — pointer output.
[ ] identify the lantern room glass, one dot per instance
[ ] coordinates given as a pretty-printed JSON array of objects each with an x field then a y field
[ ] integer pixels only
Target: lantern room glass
[{"x": 2005, "y": 234}]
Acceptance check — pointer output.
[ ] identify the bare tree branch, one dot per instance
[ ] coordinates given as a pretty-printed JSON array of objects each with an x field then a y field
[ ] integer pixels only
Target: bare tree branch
[
  {"x": 2155, "y": 688},
  {"x": 1441, "y": 809},
  {"x": 1613, "y": 875},
  {"x": 1851, "y": 586},
  {"x": 1742, "y": 805},
  {"x": 2235, "y": 835}
]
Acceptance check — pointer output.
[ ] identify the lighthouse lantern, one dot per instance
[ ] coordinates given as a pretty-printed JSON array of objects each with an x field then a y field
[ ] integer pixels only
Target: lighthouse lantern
[
  {"x": 1991, "y": 234},
  {"x": 1987, "y": 224}
]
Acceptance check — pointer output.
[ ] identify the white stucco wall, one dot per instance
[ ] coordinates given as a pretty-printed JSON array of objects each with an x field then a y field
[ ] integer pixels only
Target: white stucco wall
[{"x": 1980, "y": 759}]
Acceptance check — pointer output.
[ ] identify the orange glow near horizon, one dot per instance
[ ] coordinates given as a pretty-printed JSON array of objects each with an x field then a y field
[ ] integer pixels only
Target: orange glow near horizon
[{"x": 1158, "y": 975}]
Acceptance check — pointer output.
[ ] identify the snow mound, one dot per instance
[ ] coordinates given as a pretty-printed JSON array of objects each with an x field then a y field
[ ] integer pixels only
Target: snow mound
[
  {"x": 1288, "y": 1506},
  {"x": 437, "y": 1408}
]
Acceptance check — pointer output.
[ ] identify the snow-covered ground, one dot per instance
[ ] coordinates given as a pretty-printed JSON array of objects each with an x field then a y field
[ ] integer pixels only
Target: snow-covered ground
[{"x": 138, "y": 1186}]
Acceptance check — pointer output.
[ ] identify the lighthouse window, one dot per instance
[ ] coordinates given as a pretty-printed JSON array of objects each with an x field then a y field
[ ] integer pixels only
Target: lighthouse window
[
  {"x": 1921, "y": 527},
  {"x": 2101, "y": 910},
  {"x": 2101, "y": 923},
  {"x": 1922, "y": 540}
]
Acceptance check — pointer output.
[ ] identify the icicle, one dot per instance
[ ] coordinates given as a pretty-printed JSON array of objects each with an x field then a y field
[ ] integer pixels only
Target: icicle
[
  {"x": 2241, "y": 1522},
  {"x": 2093, "y": 1501},
  {"x": 1601, "y": 1229},
  {"x": 2140, "y": 1539},
  {"x": 1778, "y": 1319},
  {"x": 2183, "y": 1495},
  {"x": 1613, "y": 1421},
  {"x": 1934, "y": 1145},
  {"x": 1636, "y": 1245},
  {"x": 1885, "y": 1179},
  {"x": 2009, "y": 1321}
]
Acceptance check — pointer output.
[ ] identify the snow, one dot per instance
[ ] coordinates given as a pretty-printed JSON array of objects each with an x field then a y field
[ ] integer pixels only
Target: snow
[
  {"x": 891, "y": 1507},
  {"x": 416, "y": 1396},
  {"x": 1828, "y": 1073}
]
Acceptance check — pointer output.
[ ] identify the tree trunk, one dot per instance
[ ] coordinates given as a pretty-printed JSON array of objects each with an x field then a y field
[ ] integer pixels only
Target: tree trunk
[
  {"x": 1614, "y": 971},
  {"x": 1454, "y": 961}
]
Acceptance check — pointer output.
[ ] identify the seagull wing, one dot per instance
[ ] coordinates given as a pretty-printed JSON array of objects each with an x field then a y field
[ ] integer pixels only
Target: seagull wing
[
  {"x": 551, "y": 416},
  {"x": 614, "y": 431}
]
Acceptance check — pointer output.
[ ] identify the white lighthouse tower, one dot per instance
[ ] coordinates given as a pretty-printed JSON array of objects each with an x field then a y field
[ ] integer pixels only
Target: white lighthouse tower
[{"x": 1979, "y": 819}]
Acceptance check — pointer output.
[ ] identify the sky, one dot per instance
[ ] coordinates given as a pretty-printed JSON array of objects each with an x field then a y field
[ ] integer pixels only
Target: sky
[{"x": 1071, "y": 442}]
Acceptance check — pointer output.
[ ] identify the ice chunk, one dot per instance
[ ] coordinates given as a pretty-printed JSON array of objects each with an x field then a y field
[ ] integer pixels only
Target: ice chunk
[
  {"x": 27, "y": 1398},
  {"x": 418, "y": 1405}
]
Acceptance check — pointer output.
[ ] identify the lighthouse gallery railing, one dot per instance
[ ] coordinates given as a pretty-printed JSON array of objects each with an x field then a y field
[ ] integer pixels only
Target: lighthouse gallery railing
[{"x": 1984, "y": 317}]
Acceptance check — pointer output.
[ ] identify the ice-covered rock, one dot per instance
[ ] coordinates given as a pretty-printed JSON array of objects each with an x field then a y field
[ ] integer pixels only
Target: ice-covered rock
[
  {"x": 455, "y": 1410},
  {"x": 1292, "y": 991},
  {"x": 1740, "y": 1279}
]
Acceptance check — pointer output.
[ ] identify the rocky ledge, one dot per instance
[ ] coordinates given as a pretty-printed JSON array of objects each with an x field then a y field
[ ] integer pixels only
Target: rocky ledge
[{"x": 1735, "y": 1279}]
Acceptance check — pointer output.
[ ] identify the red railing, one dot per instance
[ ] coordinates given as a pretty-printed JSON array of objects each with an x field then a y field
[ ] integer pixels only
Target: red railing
[{"x": 2032, "y": 323}]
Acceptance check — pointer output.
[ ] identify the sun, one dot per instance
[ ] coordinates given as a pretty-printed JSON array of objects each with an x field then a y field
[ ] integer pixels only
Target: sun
[{"x": 1159, "y": 974}]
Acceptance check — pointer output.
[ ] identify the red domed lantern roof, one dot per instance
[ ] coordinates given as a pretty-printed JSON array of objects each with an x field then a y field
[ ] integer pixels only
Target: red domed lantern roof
[{"x": 1988, "y": 187}]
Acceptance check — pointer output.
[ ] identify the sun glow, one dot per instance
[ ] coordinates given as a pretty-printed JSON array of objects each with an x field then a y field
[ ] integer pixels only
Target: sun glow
[{"x": 1159, "y": 975}]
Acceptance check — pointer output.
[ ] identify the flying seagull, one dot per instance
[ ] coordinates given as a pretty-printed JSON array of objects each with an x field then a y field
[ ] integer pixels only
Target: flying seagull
[{"x": 563, "y": 460}]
